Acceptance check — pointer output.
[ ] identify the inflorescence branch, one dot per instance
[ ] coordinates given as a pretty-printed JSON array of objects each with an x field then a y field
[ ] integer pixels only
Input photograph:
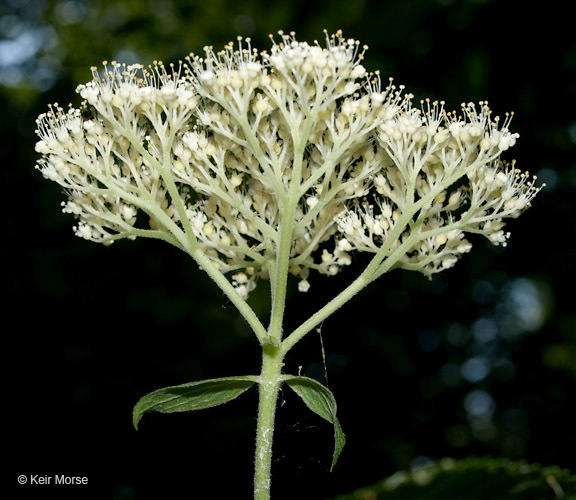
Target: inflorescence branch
[{"x": 261, "y": 164}]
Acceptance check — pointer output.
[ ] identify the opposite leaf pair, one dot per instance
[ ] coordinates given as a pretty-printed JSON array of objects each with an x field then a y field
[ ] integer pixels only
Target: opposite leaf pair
[{"x": 214, "y": 392}]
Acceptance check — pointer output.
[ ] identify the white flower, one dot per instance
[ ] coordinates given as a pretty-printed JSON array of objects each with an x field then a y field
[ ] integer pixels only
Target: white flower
[{"x": 299, "y": 152}]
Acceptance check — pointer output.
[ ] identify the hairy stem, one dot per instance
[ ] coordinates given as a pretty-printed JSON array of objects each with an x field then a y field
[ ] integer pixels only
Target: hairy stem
[{"x": 270, "y": 381}]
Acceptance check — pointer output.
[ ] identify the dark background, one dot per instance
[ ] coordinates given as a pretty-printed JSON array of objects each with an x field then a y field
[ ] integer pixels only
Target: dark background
[{"x": 481, "y": 360}]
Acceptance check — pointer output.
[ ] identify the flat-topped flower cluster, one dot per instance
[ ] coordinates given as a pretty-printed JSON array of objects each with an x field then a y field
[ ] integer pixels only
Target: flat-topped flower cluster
[{"x": 298, "y": 155}]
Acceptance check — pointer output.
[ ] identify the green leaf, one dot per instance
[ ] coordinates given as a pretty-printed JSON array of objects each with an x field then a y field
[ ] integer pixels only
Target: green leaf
[
  {"x": 321, "y": 401},
  {"x": 473, "y": 479},
  {"x": 192, "y": 396}
]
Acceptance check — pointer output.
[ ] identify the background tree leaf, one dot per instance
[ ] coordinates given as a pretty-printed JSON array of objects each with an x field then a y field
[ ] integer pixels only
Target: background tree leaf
[
  {"x": 321, "y": 401},
  {"x": 473, "y": 479},
  {"x": 192, "y": 396}
]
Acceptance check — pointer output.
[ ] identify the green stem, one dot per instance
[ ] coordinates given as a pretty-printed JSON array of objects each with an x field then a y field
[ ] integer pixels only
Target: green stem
[
  {"x": 367, "y": 276},
  {"x": 270, "y": 381},
  {"x": 279, "y": 281},
  {"x": 225, "y": 285},
  {"x": 288, "y": 206},
  {"x": 359, "y": 283}
]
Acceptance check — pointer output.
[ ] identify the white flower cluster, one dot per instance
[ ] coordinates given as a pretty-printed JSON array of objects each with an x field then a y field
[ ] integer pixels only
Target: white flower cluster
[{"x": 296, "y": 154}]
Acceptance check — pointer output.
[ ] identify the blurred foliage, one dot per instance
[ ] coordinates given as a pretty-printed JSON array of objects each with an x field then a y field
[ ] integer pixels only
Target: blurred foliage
[
  {"x": 473, "y": 479},
  {"x": 477, "y": 361}
]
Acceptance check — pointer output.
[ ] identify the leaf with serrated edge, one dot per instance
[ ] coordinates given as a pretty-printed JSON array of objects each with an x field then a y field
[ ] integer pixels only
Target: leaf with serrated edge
[
  {"x": 192, "y": 396},
  {"x": 321, "y": 401}
]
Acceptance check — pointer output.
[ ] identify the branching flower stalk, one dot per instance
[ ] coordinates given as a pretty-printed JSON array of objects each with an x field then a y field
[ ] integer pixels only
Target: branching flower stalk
[{"x": 261, "y": 165}]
